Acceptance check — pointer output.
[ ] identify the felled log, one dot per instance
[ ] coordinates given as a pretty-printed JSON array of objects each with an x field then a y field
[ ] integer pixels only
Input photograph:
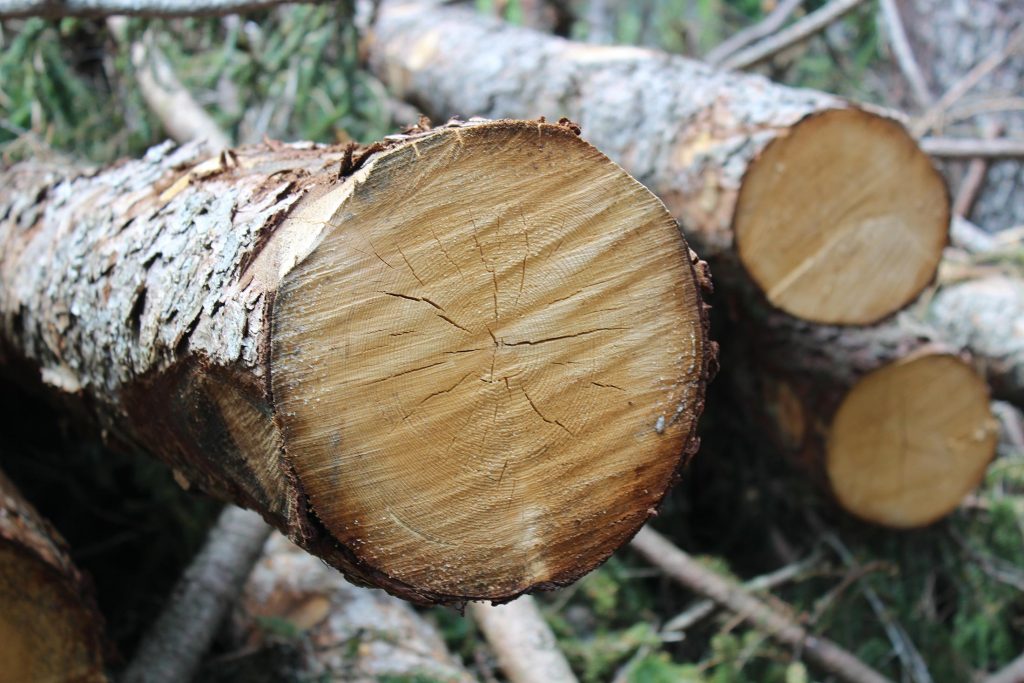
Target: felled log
[
  {"x": 890, "y": 418},
  {"x": 832, "y": 212},
  {"x": 464, "y": 363},
  {"x": 328, "y": 629},
  {"x": 50, "y": 628},
  {"x": 986, "y": 317}
]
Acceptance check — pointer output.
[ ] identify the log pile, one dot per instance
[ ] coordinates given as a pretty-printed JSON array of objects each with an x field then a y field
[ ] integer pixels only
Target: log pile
[
  {"x": 830, "y": 210},
  {"x": 463, "y": 363},
  {"x": 820, "y": 219},
  {"x": 50, "y": 628}
]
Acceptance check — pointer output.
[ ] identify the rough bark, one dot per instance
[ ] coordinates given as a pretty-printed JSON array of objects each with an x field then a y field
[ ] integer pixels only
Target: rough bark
[
  {"x": 949, "y": 37},
  {"x": 50, "y": 628},
  {"x": 174, "y": 646},
  {"x": 889, "y": 418},
  {"x": 337, "y": 631},
  {"x": 819, "y": 202},
  {"x": 255, "y": 321},
  {"x": 986, "y": 318}
]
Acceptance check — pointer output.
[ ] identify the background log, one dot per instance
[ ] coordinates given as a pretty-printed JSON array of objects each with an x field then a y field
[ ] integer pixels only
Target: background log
[
  {"x": 426, "y": 360},
  {"x": 888, "y": 418},
  {"x": 324, "y": 628},
  {"x": 832, "y": 211},
  {"x": 50, "y": 628}
]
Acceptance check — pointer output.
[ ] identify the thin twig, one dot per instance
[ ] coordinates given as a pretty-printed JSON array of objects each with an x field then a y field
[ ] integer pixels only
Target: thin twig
[
  {"x": 172, "y": 649},
  {"x": 179, "y": 113},
  {"x": 973, "y": 148},
  {"x": 904, "y": 53},
  {"x": 766, "y": 582},
  {"x": 1011, "y": 673},
  {"x": 56, "y": 9},
  {"x": 795, "y": 33},
  {"x": 903, "y": 646},
  {"x": 523, "y": 642},
  {"x": 741, "y": 39},
  {"x": 974, "y": 179},
  {"x": 688, "y": 572},
  {"x": 969, "y": 80}
]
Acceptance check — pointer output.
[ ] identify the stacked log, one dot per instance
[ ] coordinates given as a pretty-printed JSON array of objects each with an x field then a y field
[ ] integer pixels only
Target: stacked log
[
  {"x": 463, "y": 363},
  {"x": 832, "y": 212},
  {"x": 50, "y": 628},
  {"x": 820, "y": 220}
]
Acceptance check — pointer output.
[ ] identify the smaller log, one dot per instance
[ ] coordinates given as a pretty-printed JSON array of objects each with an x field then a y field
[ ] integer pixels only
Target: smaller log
[
  {"x": 894, "y": 422},
  {"x": 345, "y": 632},
  {"x": 50, "y": 628}
]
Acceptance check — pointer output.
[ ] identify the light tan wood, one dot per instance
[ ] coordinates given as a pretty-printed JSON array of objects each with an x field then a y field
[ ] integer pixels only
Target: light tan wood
[
  {"x": 487, "y": 368},
  {"x": 910, "y": 440},
  {"x": 843, "y": 220}
]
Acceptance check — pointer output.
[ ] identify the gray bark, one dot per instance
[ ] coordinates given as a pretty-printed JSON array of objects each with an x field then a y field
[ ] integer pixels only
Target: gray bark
[
  {"x": 949, "y": 37},
  {"x": 11, "y": 9},
  {"x": 345, "y": 633},
  {"x": 174, "y": 646}
]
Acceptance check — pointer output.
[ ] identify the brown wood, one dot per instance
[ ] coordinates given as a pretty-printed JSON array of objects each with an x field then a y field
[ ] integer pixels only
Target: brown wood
[
  {"x": 463, "y": 364},
  {"x": 50, "y": 628},
  {"x": 832, "y": 211},
  {"x": 890, "y": 419}
]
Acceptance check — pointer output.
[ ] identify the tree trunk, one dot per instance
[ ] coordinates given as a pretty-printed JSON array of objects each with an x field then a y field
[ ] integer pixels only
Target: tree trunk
[
  {"x": 833, "y": 212},
  {"x": 949, "y": 38},
  {"x": 324, "y": 628},
  {"x": 464, "y": 363},
  {"x": 889, "y": 419},
  {"x": 986, "y": 317},
  {"x": 50, "y": 628}
]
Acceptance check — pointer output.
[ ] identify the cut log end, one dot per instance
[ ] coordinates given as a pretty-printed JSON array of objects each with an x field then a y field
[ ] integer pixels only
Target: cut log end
[
  {"x": 843, "y": 220},
  {"x": 41, "y": 635},
  {"x": 910, "y": 440},
  {"x": 490, "y": 367}
]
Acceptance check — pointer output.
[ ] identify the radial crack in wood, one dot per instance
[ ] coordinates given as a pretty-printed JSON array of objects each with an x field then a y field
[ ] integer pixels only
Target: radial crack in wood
[{"x": 461, "y": 336}]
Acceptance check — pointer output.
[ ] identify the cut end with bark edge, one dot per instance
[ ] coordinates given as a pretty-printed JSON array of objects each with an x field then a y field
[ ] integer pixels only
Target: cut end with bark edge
[
  {"x": 910, "y": 440},
  {"x": 489, "y": 368},
  {"x": 843, "y": 219}
]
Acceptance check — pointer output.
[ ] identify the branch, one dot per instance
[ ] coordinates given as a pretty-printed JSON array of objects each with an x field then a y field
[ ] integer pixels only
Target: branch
[
  {"x": 766, "y": 582},
  {"x": 970, "y": 79},
  {"x": 974, "y": 179},
  {"x": 56, "y": 9},
  {"x": 1011, "y": 673},
  {"x": 179, "y": 113},
  {"x": 688, "y": 572},
  {"x": 173, "y": 647},
  {"x": 973, "y": 148},
  {"x": 523, "y": 642},
  {"x": 904, "y": 54},
  {"x": 741, "y": 39},
  {"x": 797, "y": 32}
]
